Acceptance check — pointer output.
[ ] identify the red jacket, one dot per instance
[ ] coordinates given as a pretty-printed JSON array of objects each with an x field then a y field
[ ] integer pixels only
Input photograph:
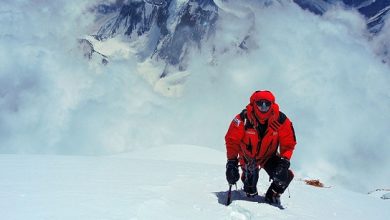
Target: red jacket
[{"x": 243, "y": 139}]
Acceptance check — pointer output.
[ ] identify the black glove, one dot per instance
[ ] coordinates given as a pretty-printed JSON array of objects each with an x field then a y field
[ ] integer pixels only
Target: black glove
[
  {"x": 232, "y": 174},
  {"x": 281, "y": 171}
]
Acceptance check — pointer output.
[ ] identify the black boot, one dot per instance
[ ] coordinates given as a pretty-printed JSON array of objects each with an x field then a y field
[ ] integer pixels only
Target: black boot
[
  {"x": 250, "y": 182},
  {"x": 272, "y": 196},
  {"x": 251, "y": 191}
]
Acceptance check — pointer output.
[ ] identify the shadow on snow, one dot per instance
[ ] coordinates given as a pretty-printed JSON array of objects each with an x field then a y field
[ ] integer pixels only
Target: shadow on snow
[{"x": 240, "y": 195}]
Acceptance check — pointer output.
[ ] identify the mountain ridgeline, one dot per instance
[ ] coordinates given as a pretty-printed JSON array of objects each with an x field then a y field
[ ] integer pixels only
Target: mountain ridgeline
[
  {"x": 374, "y": 11},
  {"x": 169, "y": 29}
]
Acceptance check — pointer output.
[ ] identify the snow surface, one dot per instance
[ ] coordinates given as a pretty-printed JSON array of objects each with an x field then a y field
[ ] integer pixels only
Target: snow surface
[
  {"x": 386, "y": 196},
  {"x": 167, "y": 182}
]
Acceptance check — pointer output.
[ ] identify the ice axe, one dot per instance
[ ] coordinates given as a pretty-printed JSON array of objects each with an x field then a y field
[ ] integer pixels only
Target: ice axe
[{"x": 229, "y": 196}]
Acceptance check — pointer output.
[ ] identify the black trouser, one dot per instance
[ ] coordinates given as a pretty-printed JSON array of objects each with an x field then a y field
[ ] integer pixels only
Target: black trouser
[
  {"x": 270, "y": 167},
  {"x": 251, "y": 176}
]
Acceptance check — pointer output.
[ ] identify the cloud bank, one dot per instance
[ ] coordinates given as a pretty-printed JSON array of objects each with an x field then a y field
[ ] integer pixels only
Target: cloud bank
[{"x": 323, "y": 71}]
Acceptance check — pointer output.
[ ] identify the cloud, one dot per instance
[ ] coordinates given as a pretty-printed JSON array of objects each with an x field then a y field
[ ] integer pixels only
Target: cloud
[{"x": 322, "y": 70}]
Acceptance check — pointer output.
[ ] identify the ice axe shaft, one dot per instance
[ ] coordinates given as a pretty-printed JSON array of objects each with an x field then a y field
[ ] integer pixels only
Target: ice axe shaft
[{"x": 229, "y": 196}]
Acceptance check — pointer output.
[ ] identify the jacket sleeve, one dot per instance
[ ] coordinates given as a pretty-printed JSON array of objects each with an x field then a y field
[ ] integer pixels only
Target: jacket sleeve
[
  {"x": 233, "y": 137},
  {"x": 287, "y": 139}
]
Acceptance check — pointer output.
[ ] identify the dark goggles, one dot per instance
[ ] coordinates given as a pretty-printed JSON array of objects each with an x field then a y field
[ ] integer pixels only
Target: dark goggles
[{"x": 263, "y": 105}]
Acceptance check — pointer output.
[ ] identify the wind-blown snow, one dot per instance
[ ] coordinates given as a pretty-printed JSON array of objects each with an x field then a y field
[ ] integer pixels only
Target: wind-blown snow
[{"x": 323, "y": 71}]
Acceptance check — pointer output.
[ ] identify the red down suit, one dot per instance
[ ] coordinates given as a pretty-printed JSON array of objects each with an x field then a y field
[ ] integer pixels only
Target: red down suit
[{"x": 244, "y": 142}]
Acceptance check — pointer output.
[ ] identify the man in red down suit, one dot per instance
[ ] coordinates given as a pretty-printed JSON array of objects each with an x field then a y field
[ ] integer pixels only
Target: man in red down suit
[{"x": 261, "y": 136}]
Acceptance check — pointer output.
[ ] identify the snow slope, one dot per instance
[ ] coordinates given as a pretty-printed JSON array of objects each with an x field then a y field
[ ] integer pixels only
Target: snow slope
[{"x": 170, "y": 182}]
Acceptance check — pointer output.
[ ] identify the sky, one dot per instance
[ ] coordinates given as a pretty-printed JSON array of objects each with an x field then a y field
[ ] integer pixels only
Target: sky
[{"x": 324, "y": 72}]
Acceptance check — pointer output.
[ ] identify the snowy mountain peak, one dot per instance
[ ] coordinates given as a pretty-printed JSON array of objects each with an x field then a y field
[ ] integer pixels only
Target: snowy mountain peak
[
  {"x": 132, "y": 17},
  {"x": 163, "y": 33},
  {"x": 166, "y": 29}
]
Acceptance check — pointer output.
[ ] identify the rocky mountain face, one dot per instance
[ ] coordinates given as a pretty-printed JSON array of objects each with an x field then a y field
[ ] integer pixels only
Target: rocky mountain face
[
  {"x": 375, "y": 11},
  {"x": 166, "y": 30}
]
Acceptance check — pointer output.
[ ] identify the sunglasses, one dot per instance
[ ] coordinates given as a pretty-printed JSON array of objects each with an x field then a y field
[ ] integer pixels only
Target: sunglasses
[{"x": 263, "y": 105}]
